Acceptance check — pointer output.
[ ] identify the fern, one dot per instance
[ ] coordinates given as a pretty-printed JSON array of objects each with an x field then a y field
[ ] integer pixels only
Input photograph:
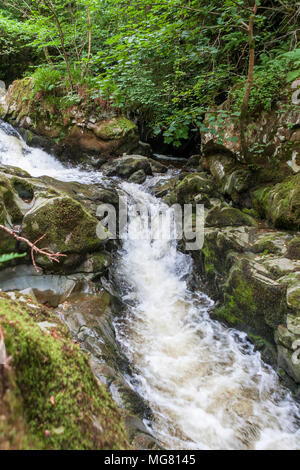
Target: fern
[{"x": 10, "y": 256}]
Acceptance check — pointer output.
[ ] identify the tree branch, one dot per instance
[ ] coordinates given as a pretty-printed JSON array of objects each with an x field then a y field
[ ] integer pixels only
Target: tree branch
[{"x": 51, "y": 255}]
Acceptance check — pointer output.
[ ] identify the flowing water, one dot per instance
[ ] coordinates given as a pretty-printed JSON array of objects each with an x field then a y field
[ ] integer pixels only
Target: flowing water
[
  {"x": 15, "y": 152},
  {"x": 206, "y": 386}
]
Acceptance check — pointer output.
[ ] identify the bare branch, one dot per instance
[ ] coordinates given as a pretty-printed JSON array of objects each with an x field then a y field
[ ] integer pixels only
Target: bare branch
[{"x": 51, "y": 255}]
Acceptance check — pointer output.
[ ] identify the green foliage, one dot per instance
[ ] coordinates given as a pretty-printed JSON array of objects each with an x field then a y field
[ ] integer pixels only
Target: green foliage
[
  {"x": 164, "y": 63},
  {"x": 270, "y": 77},
  {"x": 10, "y": 256},
  {"x": 46, "y": 79}
]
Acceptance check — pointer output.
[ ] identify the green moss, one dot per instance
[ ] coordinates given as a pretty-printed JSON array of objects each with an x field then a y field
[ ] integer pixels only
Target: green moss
[
  {"x": 293, "y": 249},
  {"x": 227, "y": 316},
  {"x": 211, "y": 260},
  {"x": 114, "y": 128},
  {"x": 14, "y": 431},
  {"x": 192, "y": 185},
  {"x": 68, "y": 226},
  {"x": 23, "y": 188},
  {"x": 259, "y": 200},
  {"x": 228, "y": 216},
  {"x": 280, "y": 204},
  {"x": 252, "y": 212},
  {"x": 252, "y": 303},
  {"x": 64, "y": 406}
]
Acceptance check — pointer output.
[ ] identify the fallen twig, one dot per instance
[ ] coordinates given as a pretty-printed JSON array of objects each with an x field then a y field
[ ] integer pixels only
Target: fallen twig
[{"x": 51, "y": 255}]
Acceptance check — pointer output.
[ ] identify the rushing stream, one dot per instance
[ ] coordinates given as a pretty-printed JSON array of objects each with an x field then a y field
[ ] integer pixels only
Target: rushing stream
[{"x": 204, "y": 383}]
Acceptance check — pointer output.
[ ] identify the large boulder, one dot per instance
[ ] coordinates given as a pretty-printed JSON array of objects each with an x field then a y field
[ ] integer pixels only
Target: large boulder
[
  {"x": 280, "y": 204},
  {"x": 68, "y": 227},
  {"x": 10, "y": 213},
  {"x": 231, "y": 177},
  {"x": 228, "y": 216},
  {"x": 190, "y": 189},
  {"x": 125, "y": 166}
]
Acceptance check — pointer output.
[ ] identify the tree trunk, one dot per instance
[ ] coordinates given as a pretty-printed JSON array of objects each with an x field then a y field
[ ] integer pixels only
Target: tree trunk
[
  {"x": 244, "y": 108},
  {"x": 62, "y": 42}
]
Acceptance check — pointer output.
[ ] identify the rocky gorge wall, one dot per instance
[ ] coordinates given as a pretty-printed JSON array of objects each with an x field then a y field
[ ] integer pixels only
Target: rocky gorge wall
[{"x": 74, "y": 131}]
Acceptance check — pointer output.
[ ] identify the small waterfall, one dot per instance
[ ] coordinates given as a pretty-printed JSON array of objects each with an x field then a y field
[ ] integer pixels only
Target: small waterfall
[
  {"x": 15, "y": 152},
  {"x": 207, "y": 387},
  {"x": 205, "y": 384}
]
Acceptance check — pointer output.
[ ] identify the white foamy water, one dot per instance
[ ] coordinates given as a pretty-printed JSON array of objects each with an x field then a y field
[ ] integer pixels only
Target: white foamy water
[
  {"x": 206, "y": 386},
  {"x": 15, "y": 152}
]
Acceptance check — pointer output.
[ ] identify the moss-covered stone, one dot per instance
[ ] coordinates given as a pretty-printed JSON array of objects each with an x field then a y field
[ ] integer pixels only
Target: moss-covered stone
[
  {"x": 114, "y": 128},
  {"x": 252, "y": 301},
  {"x": 293, "y": 249},
  {"x": 228, "y": 216},
  {"x": 127, "y": 165},
  {"x": 137, "y": 177},
  {"x": 192, "y": 185},
  {"x": 280, "y": 204},
  {"x": 68, "y": 226},
  {"x": 64, "y": 407}
]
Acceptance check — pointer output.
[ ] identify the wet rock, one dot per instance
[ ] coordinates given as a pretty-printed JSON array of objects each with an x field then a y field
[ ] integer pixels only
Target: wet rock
[
  {"x": 192, "y": 185},
  {"x": 232, "y": 178},
  {"x": 293, "y": 249},
  {"x": 228, "y": 216},
  {"x": 69, "y": 228},
  {"x": 14, "y": 171},
  {"x": 280, "y": 204},
  {"x": 162, "y": 188},
  {"x": 158, "y": 167},
  {"x": 287, "y": 362},
  {"x": 10, "y": 213},
  {"x": 125, "y": 166},
  {"x": 89, "y": 318},
  {"x": 137, "y": 177},
  {"x": 52, "y": 289}
]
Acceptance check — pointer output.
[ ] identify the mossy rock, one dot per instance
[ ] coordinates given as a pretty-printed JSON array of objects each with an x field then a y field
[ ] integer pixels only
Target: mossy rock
[
  {"x": 271, "y": 243},
  {"x": 138, "y": 177},
  {"x": 69, "y": 228},
  {"x": 64, "y": 407},
  {"x": 114, "y": 128},
  {"x": 192, "y": 185},
  {"x": 8, "y": 199},
  {"x": 280, "y": 204},
  {"x": 15, "y": 171},
  {"x": 9, "y": 214},
  {"x": 252, "y": 301},
  {"x": 293, "y": 249},
  {"x": 228, "y": 216},
  {"x": 125, "y": 166}
]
